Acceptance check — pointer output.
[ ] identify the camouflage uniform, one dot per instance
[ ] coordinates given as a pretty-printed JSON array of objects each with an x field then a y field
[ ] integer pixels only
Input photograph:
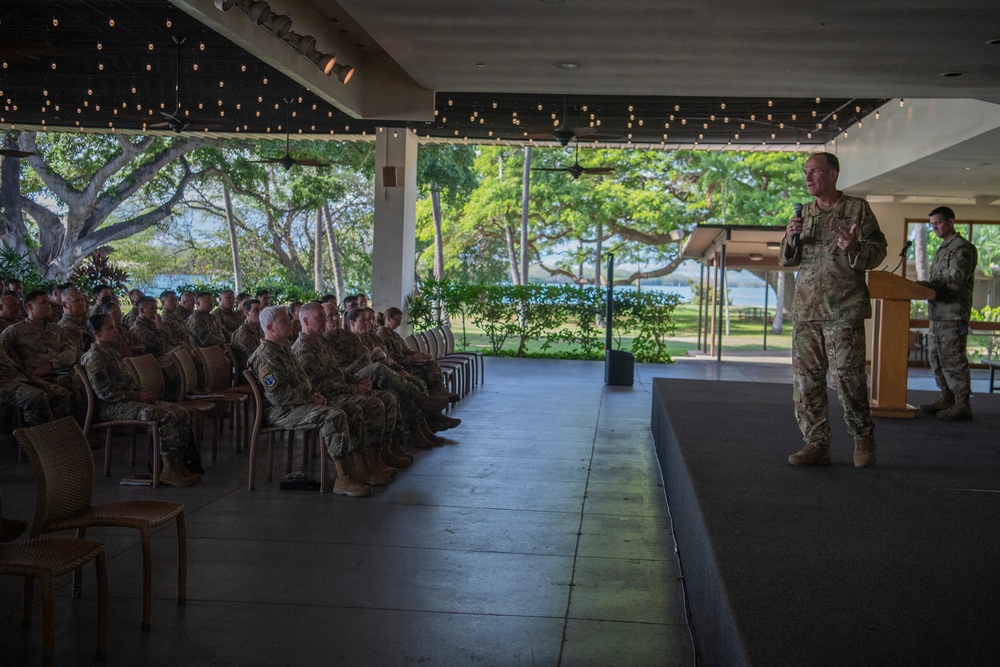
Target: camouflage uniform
[
  {"x": 131, "y": 316},
  {"x": 31, "y": 346},
  {"x": 36, "y": 400},
  {"x": 75, "y": 333},
  {"x": 428, "y": 371},
  {"x": 205, "y": 330},
  {"x": 246, "y": 339},
  {"x": 288, "y": 393},
  {"x": 346, "y": 347},
  {"x": 152, "y": 337},
  {"x": 830, "y": 306},
  {"x": 117, "y": 391},
  {"x": 229, "y": 319},
  {"x": 377, "y": 414},
  {"x": 127, "y": 344},
  {"x": 952, "y": 277},
  {"x": 6, "y": 322},
  {"x": 175, "y": 330}
]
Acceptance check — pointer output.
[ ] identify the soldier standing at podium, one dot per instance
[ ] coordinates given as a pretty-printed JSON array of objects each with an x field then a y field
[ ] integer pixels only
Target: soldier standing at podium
[
  {"x": 834, "y": 242},
  {"x": 952, "y": 277}
]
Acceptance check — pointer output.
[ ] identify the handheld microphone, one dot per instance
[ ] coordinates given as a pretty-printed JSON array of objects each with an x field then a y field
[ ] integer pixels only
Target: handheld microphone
[
  {"x": 798, "y": 214},
  {"x": 906, "y": 246}
]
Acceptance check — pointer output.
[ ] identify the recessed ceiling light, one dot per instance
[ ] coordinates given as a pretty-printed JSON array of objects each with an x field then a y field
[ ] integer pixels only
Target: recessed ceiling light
[
  {"x": 952, "y": 75},
  {"x": 480, "y": 65},
  {"x": 568, "y": 65}
]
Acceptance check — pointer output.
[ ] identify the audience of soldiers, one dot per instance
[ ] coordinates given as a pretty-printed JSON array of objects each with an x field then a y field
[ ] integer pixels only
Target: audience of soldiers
[{"x": 359, "y": 385}]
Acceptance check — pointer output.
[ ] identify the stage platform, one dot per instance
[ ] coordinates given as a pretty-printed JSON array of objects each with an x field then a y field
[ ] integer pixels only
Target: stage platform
[{"x": 898, "y": 564}]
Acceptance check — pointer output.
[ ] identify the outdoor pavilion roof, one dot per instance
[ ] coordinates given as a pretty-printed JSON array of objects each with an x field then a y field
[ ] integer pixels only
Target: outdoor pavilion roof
[{"x": 746, "y": 246}]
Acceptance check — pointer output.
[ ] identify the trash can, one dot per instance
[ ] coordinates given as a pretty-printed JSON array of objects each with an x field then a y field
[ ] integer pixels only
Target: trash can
[{"x": 619, "y": 368}]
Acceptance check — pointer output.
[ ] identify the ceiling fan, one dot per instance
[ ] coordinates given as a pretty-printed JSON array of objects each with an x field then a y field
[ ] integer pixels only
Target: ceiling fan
[
  {"x": 174, "y": 121},
  {"x": 564, "y": 134},
  {"x": 576, "y": 170},
  {"x": 286, "y": 160}
]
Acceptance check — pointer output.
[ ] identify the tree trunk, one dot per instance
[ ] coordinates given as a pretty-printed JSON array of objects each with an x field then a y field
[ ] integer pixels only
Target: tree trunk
[
  {"x": 438, "y": 236},
  {"x": 233, "y": 240},
  {"x": 778, "y": 323},
  {"x": 920, "y": 250},
  {"x": 334, "y": 247},
  {"x": 525, "y": 195},
  {"x": 515, "y": 275},
  {"x": 318, "y": 254}
]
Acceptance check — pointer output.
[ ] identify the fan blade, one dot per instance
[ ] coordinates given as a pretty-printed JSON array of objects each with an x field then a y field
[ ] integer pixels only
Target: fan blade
[
  {"x": 550, "y": 169},
  {"x": 311, "y": 163},
  {"x": 15, "y": 153},
  {"x": 598, "y": 170}
]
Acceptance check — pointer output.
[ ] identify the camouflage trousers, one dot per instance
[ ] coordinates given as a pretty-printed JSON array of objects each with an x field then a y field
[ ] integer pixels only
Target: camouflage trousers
[
  {"x": 37, "y": 406},
  {"x": 946, "y": 344},
  {"x": 404, "y": 391},
  {"x": 429, "y": 373},
  {"x": 367, "y": 418},
  {"x": 332, "y": 423},
  {"x": 839, "y": 348},
  {"x": 174, "y": 421}
]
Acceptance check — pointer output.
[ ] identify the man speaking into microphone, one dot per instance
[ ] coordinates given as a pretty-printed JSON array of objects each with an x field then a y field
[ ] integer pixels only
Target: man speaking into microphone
[{"x": 834, "y": 241}]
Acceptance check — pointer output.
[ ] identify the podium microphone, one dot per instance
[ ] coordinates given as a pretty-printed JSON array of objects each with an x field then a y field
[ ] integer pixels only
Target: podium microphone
[
  {"x": 902, "y": 255},
  {"x": 798, "y": 214}
]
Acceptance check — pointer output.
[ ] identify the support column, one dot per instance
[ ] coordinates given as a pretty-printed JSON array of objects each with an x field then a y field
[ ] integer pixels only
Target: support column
[{"x": 394, "y": 252}]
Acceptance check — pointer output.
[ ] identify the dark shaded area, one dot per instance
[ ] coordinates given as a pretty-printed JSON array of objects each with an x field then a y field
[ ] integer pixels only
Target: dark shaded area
[{"x": 896, "y": 564}]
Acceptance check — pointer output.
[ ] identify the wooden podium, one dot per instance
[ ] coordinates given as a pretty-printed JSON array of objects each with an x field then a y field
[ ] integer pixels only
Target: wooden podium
[{"x": 891, "y": 329}]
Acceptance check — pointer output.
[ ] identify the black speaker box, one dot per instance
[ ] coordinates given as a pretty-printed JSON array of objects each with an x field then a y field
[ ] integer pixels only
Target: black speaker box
[{"x": 619, "y": 368}]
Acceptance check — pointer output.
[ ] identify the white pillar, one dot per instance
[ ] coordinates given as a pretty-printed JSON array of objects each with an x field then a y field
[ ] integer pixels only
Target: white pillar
[{"x": 394, "y": 252}]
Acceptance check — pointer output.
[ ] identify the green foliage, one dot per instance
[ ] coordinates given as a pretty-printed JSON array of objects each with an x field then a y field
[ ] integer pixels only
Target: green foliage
[
  {"x": 18, "y": 266},
  {"x": 98, "y": 269},
  {"x": 988, "y": 314},
  {"x": 551, "y": 314}
]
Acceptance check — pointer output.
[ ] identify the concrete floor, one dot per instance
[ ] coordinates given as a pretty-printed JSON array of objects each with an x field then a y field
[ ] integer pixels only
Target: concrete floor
[{"x": 538, "y": 536}]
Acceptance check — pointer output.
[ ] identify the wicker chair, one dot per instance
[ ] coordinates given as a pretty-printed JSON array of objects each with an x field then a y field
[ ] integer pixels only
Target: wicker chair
[
  {"x": 259, "y": 429},
  {"x": 47, "y": 560},
  {"x": 89, "y": 423},
  {"x": 150, "y": 375},
  {"x": 190, "y": 391},
  {"x": 219, "y": 380},
  {"x": 64, "y": 486}
]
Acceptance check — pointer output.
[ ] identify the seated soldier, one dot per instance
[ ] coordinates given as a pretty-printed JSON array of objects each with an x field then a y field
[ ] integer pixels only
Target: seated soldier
[
  {"x": 17, "y": 287},
  {"x": 247, "y": 337},
  {"x": 291, "y": 401},
  {"x": 172, "y": 320},
  {"x": 204, "y": 329},
  {"x": 370, "y": 418},
  {"x": 363, "y": 326},
  {"x": 40, "y": 349},
  {"x": 97, "y": 294},
  {"x": 127, "y": 344},
  {"x": 226, "y": 314},
  {"x": 10, "y": 311},
  {"x": 355, "y": 359},
  {"x": 74, "y": 319},
  {"x": 133, "y": 296},
  {"x": 148, "y": 329},
  {"x": 55, "y": 298},
  {"x": 187, "y": 305},
  {"x": 419, "y": 363},
  {"x": 37, "y": 400},
  {"x": 293, "y": 310},
  {"x": 264, "y": 297},
  {"x": 121, "y": 397}
]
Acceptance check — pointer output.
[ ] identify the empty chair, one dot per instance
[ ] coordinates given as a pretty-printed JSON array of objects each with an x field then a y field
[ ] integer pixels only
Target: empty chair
[
  {"x": 449, "y": 350},
  {"x": 46, "y": 560},
  {"x": 64, "y": 486},
  {"x": 219, "y": 383}
]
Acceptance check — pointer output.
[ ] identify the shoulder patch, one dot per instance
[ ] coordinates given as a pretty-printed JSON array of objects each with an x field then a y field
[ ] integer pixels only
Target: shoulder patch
[{"x": 269, "y": 380}]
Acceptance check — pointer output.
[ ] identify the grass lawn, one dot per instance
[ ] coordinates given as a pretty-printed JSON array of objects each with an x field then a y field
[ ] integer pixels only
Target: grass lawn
[{"x": 742, "y": 335}]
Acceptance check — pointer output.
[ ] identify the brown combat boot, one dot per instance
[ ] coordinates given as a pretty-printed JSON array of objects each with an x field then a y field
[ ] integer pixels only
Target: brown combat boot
[
  {"x": 430, "y": 403},
  {"x": 864, "y": 452},
  {"x": 345, "y": 485},
  {"x": 960, "y": 412},
  {"x": 360, "y": 470},
  {"x": 400, "y": 453},
  {"x": 389, "y": 458},
  {"x": 813, "y": 454},
  {"x": 375, "y": 463},
  {"x": 946, "y": 400},
  {"x": 175, "y": 474}
]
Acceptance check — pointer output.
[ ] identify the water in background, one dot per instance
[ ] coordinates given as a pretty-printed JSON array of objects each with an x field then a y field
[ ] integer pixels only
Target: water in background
[{"x": 739, "y": 296}]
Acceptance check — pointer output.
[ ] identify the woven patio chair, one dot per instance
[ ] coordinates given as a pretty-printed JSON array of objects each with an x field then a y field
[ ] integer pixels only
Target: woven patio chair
[
  {"x": 449, "y": 350},
  {"x": 191, "y": 394},
  {"x": 46, "y": 560},
  {"x": 219, "y": 380},
  {"x": 89, "y": 424},
  {"x": 64, "y": 486},
  {"x": 150, "y": 376},
  {"x": 259, "y": 429}
]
